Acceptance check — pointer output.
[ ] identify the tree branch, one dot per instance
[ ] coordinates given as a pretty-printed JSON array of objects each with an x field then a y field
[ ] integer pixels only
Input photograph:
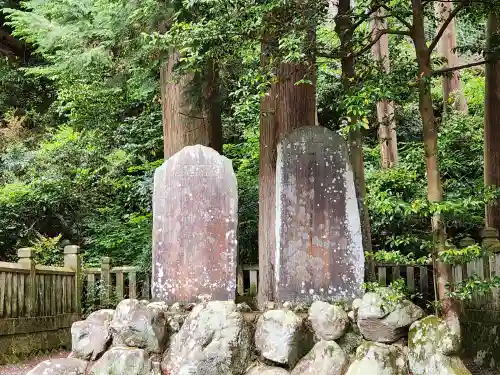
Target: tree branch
[
  {"x": 399, "y": 18},
  {"x": 459, "y": 67},
  {"x": 379, "y": 35},
  {"x": 365, "y": 17},
  {"x": 445, "y": 25}
]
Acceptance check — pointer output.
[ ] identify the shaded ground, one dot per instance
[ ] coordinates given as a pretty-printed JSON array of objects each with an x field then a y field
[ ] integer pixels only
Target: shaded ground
[
  {"x": 476, "y": 370},
  {"x": 23, "y": 367}
]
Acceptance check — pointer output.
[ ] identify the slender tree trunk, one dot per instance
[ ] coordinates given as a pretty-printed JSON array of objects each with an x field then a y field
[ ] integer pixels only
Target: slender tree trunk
[
  {"x": 286, "y": 107},
  {"x": 434, "y": 186},
  {"x": 453, "y": 95},
  {"x": 492, "y": 123},
  {"x": 183, "y": 123},
  {"x": 385, "y": 108},
  {"x": 344, "y": 31},
  {"x": 212, "y": 107}
]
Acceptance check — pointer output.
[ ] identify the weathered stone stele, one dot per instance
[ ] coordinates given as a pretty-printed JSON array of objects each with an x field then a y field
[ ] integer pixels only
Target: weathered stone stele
[
  {"x": 319, "y": 252},
  {"x": 195, "y": 207}
]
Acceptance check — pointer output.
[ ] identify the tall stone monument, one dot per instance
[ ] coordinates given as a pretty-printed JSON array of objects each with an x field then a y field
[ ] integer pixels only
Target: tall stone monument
[
  {"x": 319, "y": 252},
  {"x": 195, "y": 208}
]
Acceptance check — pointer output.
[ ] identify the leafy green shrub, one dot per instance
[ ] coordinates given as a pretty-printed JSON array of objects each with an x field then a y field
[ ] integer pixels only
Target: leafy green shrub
[{"x": 47, "y": 250}]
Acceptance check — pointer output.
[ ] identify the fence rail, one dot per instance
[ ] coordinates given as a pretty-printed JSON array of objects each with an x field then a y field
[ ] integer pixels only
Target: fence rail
[
  {"x": 31, "y": 290},
  {"x": 38, "y": 303},
  {"x": 421, "y": 278},
  {"x": 105, "y": 284}
]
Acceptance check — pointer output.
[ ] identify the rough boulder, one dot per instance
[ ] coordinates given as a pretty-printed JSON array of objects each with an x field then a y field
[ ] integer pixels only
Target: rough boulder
[
  {"x": 214, "y": 340},
  {"x": 136, "y": 324},
  {"x": 385, "y": 322},
  {"x": 91, "y": 337},
  {"x": 432, "y": 345},
  {"x": 378, "y": 359}
]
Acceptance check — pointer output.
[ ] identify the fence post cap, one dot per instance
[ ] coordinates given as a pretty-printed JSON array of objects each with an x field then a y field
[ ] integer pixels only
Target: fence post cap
[
  {"x": 25, "y": 252},
  {"x": 106, "y": 260},
  {"x": 495, "y": 248},
  {"x": 71, "y": 249},
  {"x": 489, "y": 232},
  {"x": 467, "y": 241}
]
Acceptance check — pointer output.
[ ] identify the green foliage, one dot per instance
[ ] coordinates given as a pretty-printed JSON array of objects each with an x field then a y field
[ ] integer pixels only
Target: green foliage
[
  {"x": 81, "y": 134},
  {"x": 473, "y": 287},
  {"x": 397, "y": 200},
  {"x": 395, "y": 257},
  {"x": 392, "y": 295},
  {"x": 47, "y": 251}
]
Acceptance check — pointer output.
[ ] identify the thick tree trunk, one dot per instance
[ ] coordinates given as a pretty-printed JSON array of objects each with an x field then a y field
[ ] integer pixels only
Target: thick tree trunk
[
  {"x": 492, "y": 124},
  {"x": 385, "y": 108},
  {"x": 344, "y": 31},
  {"x": 287, "y": 106},
  {"x": 183, "y": 123},
  {"x": 434, "y": 186},
  {"x": 453, "y": 95}
]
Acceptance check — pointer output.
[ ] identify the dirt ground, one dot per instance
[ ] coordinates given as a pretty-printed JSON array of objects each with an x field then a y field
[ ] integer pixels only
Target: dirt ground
[{"x": 23, "y": 367}]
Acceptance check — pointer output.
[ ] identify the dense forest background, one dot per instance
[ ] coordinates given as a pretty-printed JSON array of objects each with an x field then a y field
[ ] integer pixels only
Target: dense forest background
[{"x": 81, "y": 120}]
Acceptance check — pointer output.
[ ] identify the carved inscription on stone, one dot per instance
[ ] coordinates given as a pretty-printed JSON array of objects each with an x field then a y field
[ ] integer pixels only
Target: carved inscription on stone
[
  {"x": 195, "y": 206},
  {"x": 319, "y": 253}
]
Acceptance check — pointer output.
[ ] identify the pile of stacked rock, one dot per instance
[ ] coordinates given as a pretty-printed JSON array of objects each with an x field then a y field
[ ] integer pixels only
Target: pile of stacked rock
[{"x": 369, "y": 337}]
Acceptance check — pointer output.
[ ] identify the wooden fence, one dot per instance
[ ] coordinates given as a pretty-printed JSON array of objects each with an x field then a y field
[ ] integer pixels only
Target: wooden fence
[
  {"x": 420, "y": 279},
  {"x": 109, "y": 285},
  {"x": 38, "y": 301}
]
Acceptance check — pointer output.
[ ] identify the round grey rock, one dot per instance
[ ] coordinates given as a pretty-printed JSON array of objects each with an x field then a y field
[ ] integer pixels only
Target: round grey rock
[
  {"x": 279, "y": 335},
  {"x": 329, "y": 322},
  {"x": 325, "y": 358}
]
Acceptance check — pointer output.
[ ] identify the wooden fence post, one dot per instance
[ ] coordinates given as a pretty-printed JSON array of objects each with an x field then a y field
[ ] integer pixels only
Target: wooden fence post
[
  {"x": 106, "y": 278},
  {"x": 132, "y": 284},
  {"x": 239, "y": 283},
  {"x": 26, "y": 259},
  {"x": 489, "y": 237},
  {"x": 72, "y": 260}
]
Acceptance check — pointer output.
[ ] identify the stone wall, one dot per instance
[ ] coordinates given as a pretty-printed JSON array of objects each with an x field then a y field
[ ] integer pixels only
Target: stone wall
[
  {"x": 481, "y": 336},
  {"x": 374, "y": 335},
  {"x": 16, "y": 347},
  {"x": 23, "y": 337}
]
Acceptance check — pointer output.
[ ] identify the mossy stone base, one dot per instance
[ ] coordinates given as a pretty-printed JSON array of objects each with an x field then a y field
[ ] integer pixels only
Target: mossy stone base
[{"x": 22, "y": 346}]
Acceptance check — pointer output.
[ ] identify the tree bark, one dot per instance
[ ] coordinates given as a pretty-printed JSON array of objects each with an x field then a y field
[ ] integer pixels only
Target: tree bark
[
  {"x": 453, "y": 95},
  {"x": 492, "y": 123},
  {"x": 385, "y": 108},
  {"x": 345, "y": 33},
  {"x": 434, "y": 186},
  {"x": 184, "y": 123},
  {"x": 285, "y": 107}
]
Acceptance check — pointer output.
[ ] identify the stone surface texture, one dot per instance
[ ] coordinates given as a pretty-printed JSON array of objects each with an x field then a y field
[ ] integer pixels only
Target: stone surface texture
[
  {"x": 432, "y": 348},
  {"x": 92, "y": 336},
  {"x": 378, "y": 359},
  {"x": 138, "y": 325},
  {"x": 319, "y": 253},
  {"x": 121, "y": 361},
  {"x": 385, "y": 322},
  {"x": 214, "y": 340},
  {"x": 60, "y": 366},
  {"x": 195, "y": 218},
  {"x": 261, "y": 369},
  {"x": 279, "y": 336},
  {"x": 325, "y": 358},
  {"x": 350, "y": 341},
  {"x": 328, "y": 321}
]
